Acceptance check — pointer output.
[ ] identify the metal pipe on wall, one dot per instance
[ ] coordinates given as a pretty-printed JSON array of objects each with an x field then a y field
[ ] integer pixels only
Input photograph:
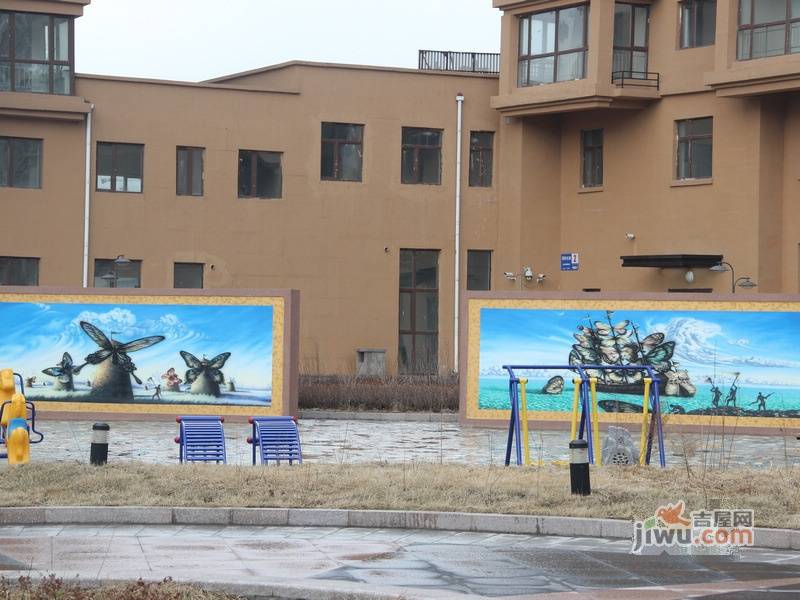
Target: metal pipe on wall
[
  {"x": 87, "y": 199},
  {"x": 456, "y": 307}
]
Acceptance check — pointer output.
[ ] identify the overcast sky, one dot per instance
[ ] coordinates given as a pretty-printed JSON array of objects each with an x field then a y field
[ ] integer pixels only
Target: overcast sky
[{"x": 199, "y": 39}]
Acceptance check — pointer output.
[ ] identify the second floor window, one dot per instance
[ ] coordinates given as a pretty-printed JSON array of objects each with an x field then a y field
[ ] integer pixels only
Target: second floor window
[
  {"x": 592, "y": 158},
  {"x": 695, "y": 140},
  {"x": 188, "y": 275},
  {"x": 260, "y": 174},
  {"x": 698, "y": 23},
  {"x": 479, "y": 269},
  {"x": 630, "y": 40},
  {"x": 19, "y": 271},
  {"x": 342, "y": 151},
  {"x": 552, "y": 46},
  {"x": 35, "y": 53},
  {"x": 20, "y": 162},
  {"x": 480, "y": 158},
  {"x": 120, "y": 167},
  {"x": 189, "y": 171},
  {"x": 422, "y": 156},
  {"x": 768, "y": 28},
  {"x": 111, "y": 273}
]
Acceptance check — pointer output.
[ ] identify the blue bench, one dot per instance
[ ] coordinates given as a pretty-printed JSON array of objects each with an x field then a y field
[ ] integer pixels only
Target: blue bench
[
  {"x": 201, "y": 439},
  {"x": 277, "y": 439}
]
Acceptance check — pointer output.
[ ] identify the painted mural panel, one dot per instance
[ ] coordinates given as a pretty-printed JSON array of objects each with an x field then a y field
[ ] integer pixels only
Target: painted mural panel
[
  {"x": 712, "y": 360},
  {"x": 188, "y": 355}
]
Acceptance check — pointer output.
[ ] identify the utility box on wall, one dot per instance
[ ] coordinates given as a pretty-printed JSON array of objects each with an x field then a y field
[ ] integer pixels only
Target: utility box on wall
[{"x": 370, "y": 362}]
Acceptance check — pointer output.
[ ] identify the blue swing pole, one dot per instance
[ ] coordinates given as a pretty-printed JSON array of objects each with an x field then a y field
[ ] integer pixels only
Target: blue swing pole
[{"x": 512, "y": 386}]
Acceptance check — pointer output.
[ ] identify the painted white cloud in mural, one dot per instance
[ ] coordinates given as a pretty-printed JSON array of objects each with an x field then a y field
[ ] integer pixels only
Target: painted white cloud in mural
[{"x": 698, "y": 342}]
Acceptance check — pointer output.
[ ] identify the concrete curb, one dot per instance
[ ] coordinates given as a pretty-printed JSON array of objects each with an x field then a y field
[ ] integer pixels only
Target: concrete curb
[
  {"x": 340, "y": 415},
  {"x": 780, "y": 539}
]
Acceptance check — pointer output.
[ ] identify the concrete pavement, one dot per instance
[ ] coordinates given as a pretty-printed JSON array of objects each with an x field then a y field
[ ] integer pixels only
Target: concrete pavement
[{"x": 338, "y": 562}]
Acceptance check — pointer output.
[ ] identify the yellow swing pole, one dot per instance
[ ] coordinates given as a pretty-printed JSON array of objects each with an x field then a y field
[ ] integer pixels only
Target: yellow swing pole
[
  {"x": 524, "y": 417},
  {"x": 645, "y": 405},
  {"x": 595, "y": 422},
  {"x": 575, "y": 401}
]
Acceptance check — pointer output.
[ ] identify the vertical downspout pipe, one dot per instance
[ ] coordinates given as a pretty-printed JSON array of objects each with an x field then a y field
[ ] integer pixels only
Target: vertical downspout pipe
[
  {"x": 456, "y": 307},
  {"x": 87, "y": 196}
]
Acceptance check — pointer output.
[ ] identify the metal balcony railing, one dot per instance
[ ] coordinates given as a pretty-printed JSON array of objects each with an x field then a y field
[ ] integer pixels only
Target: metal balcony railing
[
  {"x": 636, "y": 79},
  {"x": 468, "y": 62}
]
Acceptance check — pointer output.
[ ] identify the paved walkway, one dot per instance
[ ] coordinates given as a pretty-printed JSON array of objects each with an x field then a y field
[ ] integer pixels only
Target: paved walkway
[
  {"x": 331, "y": 441},
  {"x": 417, "y": 564}
]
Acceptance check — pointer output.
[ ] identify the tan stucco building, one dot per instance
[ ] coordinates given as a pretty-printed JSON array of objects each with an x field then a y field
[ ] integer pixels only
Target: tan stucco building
[{"x": 644, "y": 128}]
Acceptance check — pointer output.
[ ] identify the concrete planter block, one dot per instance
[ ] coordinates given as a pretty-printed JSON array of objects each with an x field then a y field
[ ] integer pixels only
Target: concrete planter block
[
  {"x": 260, "y": 516},
  {"x": 422, "y": 520},
  {"x": 780, "y": 539},
  {"x": 309, "y": 517},
  {"x": 570, "y": 526},
  {"x": 378, "y": 519},
  {"x": 22, "y": 516},
  {"x": 112, "y": 515},
  {"x": 613, "y": 528}
]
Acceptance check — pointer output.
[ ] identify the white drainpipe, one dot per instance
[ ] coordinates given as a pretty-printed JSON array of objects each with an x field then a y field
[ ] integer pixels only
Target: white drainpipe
[
  {"x": 87, "y": 196},
  {"x": 456, "y": 307}
]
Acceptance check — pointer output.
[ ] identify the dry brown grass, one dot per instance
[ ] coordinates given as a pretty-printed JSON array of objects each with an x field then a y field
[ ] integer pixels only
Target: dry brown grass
[
  {"x": 51, "y": 587},
  {"x": 621, "y": 492},
  {"x": 419, "y": 393}
]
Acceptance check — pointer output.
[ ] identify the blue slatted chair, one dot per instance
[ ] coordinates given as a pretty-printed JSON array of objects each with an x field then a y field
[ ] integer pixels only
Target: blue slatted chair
[
  {"x": 201, "y": 439},
  {"x": 277, "y": 439}
]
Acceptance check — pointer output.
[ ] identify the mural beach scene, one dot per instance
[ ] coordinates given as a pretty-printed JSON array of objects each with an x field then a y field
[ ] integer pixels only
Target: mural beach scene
[
  {"x": 141, "y": 354},
  {"x": 725, "y": 363}
]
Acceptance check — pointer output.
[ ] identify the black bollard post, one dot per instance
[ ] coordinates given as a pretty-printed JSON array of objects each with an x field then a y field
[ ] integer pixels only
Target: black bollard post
[
  {"x": 99, "y": 452},
  {"x": 579, "y": 467}
]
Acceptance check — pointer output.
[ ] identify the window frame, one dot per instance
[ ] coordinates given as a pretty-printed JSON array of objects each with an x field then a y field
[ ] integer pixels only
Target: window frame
[
  {"x": 10, "y": 164},
  {"x": 633, "y": 47},
  {"x": 189, "y": 170},
  {"x": 416, "y": 153},
  {"x": 253, "y": 188},
  {"x": 114, "y": 147},
  {"x": 38, "y": 262},
  {"x": 183, "y": 287},
  {"x": 137, "y": 262},
  {"x": 413, "y": 290},
  {"x": 689, "y": 139},
  {"x": 594, "y": 149},
  {"x": 694, "y": 10},
  {"x": 527, "y": 58},
  {"x": 51, "y": 62},
  {"x": 337, "y": 144},
  {"x": 481, "y": 151},
  {"x": 787, "y": 22},
  {"x": 471, "y": 252}
]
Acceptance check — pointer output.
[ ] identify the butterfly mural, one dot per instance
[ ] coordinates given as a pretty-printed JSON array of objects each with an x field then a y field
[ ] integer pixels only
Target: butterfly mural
[{"x": 205, "y": 375}]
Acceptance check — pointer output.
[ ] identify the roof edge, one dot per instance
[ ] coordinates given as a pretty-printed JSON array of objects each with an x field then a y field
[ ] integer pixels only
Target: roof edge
[
  {"x": 347, "y": 66},
  {"x": 202, "y": 84}
]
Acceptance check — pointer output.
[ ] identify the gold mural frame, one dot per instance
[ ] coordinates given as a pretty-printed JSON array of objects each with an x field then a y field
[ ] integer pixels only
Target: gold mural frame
[
  {"x": 471, "y": 413},
  {"x": 280, "y": 351}
]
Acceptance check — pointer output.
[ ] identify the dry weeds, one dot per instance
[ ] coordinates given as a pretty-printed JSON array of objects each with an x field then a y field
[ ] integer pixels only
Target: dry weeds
[
  {"x": 52, "y": 587},
  {"x": 618, "y": 492}
]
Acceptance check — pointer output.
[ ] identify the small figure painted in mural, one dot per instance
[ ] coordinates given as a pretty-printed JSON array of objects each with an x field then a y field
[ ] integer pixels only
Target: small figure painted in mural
[
  {"x": 172, "y": 381},
  {"x": 731, "y": 397},
  {"x": 63, "y": 372},
  {"x": 716, "y": 394},
  {"x": 205, "y": 375},
  {"x": 761, "y": 400},
  {"x": 112, "y": 379},
  {"x": 157, "y": 393},
  {"x": 30, "y": 381},
  {"x": 231, "y": 385}
]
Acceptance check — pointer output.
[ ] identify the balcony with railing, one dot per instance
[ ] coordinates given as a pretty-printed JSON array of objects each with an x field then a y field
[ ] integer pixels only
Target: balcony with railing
[{"x": 462, "y": 62}]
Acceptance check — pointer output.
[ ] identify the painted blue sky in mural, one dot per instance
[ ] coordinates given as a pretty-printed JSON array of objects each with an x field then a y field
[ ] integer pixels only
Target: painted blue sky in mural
[
  {"x": 763, "y": 347},
  {"x": 36, "y": 336}
]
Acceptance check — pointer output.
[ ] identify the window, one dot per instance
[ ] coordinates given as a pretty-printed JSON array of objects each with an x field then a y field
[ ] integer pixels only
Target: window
[
  {"x": 591, "y": 158},
  {"x": 694, "y": 148},
  {"x": 480, "y": 158},
  {"x": 19, "y": 271},
  {"x": 630, "y": 40},
  {"x": 35, "y": 53},
  {"x": 189, "y": 171},
  {"x": 342, "y": 151},
  {"x": 479, "y": 269},
  {"x": 698, "y": 22},
  {"x": 768, "y": 28},
  {"x": 419, "y": 311},
  {"x": 260, "y": 174},
  {"x": 422, "y": 156},
  {"x": 119, "y": 167},
  {"x": 20, "y": 163},
  {"x": 552, "y": 46},
  {"x": 188, "y": 275},
  {"x": 111, "y": 273}
]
